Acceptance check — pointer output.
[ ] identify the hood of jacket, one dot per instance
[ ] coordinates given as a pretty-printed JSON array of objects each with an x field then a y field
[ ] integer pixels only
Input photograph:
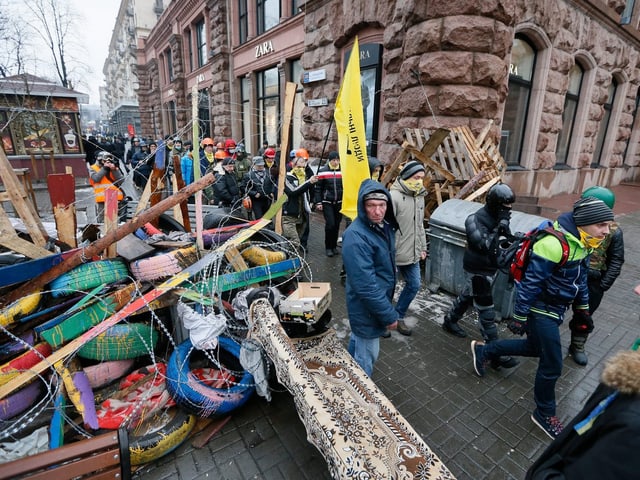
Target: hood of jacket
[
  {"x": 370, "y": 186},
  {"x": 622, "y": 372}
]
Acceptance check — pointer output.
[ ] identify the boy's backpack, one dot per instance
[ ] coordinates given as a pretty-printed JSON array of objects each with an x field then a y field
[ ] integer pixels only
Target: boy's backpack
[{"x": 514, "y": 259}]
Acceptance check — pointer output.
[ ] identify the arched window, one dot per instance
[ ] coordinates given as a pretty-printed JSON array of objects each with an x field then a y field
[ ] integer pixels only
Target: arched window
[
  {"x": 514, "y": 122},
  {"x": 569, "y": 114},
  {"x": 633, "y": 138},
  {"x": 604, "y": 123}
]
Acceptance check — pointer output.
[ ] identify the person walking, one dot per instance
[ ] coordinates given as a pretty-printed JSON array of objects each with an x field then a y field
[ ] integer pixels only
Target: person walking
[
  {"x": 484, "y": 228},
  {"x": 368, "y": 253},
  {"x": 605, "y": 264},
  {"x": 407, "y": 197},
  {"x": 328, "y": 200},
  {"x": 542, "y": 297}
]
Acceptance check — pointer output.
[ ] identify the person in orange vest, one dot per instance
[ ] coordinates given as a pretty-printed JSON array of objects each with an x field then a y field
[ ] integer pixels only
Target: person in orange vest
[{"x": 104, "y": 175}]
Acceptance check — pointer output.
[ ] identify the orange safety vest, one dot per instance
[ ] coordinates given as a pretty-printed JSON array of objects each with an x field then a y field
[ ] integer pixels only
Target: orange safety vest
[{"x": 100, "y": 187}]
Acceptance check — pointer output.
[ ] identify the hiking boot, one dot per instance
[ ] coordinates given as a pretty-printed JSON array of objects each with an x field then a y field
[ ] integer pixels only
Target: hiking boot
[
  {"x": 576, "y": 350},
  {"x": 504, "y": 362},
  {"x": 453, "y": 329},
  {"x": 479, "y": 361},
  {"x": 551, "y": 425},
  {"x": 336, "y": 251},
  {"x": 403, "y": 329},
  {"x": 386, "y": 334},
  {"x": 329, "y": 252}
]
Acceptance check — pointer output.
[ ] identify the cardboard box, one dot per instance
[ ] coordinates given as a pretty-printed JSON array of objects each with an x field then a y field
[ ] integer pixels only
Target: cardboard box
[{"x": 307, "y": 303}]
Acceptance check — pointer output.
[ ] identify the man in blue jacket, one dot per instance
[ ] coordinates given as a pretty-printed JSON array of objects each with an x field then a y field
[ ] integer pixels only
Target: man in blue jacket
[
  {"x": 368, "y": 252},
  {"x": 543, "y": 295}
]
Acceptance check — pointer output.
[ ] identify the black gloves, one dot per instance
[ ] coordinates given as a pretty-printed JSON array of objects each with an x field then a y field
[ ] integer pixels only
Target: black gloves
[
  {"x": 582, "y": 322},
  {"x": 518, "y": 325}
]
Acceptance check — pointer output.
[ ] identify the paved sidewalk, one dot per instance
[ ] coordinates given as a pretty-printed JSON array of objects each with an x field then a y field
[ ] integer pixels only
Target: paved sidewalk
[{"x": 480, "y": 428}]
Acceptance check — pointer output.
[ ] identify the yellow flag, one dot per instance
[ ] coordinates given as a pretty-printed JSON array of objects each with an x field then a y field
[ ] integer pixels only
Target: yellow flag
[{"x": 352, "y": 141}]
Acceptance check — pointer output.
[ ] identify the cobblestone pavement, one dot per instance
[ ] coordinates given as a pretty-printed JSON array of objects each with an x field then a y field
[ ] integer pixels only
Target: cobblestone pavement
[{"x": 479, "y": 427}]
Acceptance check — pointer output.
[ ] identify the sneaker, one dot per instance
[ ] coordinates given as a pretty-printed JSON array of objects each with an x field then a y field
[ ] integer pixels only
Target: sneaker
[
  {"x": 504, "y": 362},
  {"x": 478, "y": 357},
  {"x": 550, "y": 425},
  {"x": 403, "y": 329},
  {"x": 453, "y": 329},
  {"x": 386, "y": 334}
]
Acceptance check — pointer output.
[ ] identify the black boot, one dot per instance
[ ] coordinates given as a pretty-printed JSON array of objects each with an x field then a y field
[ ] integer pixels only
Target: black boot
[
  {"x": 453, "y": 328},
  {"x": 576, "y": 349}
]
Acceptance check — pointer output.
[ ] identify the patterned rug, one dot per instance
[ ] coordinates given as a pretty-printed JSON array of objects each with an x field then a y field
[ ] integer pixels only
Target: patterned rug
[{"x": 353, "y": 424}]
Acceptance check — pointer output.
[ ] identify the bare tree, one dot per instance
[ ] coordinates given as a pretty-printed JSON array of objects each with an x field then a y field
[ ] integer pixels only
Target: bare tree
[{"x": 54, "y": 27}]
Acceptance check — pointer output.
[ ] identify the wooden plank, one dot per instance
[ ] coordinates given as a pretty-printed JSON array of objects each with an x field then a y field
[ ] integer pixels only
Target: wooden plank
[
  {"x": 110, "y": 237},
  {"x": 438, "y": 193},
  {"x": 289, "y": 99},
  {"x": 66, "y": 224},
  {"x": 179, "y": 184},
  {"x": 62, "y": 189},
  {"x": 23, "y": 208},
  {"x": 208, "y": 433},
  {"x": 141, "y": 302},
  {"x": 110, "y": 218},
  {"x": 482, "y": 190},
  {"x": 235, "y": 259},
  {"x": 9, "y": 239},
  {"x": 428, "y": 162},
  {"x": 483, "y": 134},
  {"x": 451, "y": 164}
]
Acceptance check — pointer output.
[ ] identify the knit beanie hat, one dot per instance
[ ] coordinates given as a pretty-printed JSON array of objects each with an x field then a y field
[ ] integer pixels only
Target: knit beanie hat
[
  {"x": 376, "y": 196},
  {"x": 590, "y": 210},
  {"x": 410, "y": 169}
]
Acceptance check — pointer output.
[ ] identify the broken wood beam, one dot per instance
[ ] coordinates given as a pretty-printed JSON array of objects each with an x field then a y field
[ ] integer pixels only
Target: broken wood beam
[{"x": 110, "y": 237}]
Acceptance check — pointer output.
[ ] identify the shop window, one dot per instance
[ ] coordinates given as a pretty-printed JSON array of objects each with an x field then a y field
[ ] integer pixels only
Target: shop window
[
  {"x": 245, "y": 99},
  {"x": 204, "y": 118},
  {"x": 296, "y": 127},
  {"x": 268, "y": 14},
  {"x": 514, "y": 122},
  {"x": 243, "y": 21},
  {"x": 201, "y": 43},
  {"x": 370, "y": 81},
  {"x": 167, "y": 56},
  {"x": 604, "y": 124},
  {"x": 634, "y": 128},
  {"x": 189, "y": 45},
  {"x": 268, "y": 105},
  {"x": 571, "y": 101}
]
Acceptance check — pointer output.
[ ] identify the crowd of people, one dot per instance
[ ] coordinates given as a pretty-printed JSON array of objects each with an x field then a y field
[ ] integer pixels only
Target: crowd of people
[{"x": 386, "y": 241}]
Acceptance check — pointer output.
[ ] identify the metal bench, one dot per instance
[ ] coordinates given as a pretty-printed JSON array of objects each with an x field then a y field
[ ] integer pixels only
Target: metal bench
[{"x": 101, "y": 457}]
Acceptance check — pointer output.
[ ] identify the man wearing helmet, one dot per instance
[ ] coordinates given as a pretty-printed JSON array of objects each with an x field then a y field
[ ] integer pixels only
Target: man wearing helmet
[
  {"x": 105, "y": 175},
  {"x": 605, "y": 264},
  {"x": 484, "y": 229}
]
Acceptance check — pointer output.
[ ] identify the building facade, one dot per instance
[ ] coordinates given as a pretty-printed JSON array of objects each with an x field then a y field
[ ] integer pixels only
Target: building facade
[
  {"x": 119, "y": 101},
  {"x": 558, "y": 81}
]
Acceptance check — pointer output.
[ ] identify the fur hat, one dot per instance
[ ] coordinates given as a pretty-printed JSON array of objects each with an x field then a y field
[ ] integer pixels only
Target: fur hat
[
  {"x": 590, "y": 210},
  {"x": 410, "y": 169},
  {"x": 622, "y": 372}
]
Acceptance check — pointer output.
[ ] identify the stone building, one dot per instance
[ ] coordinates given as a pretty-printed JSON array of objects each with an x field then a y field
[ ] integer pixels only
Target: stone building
[
  {"x": 119, "y": 102},
  {"x": 558, "y": 79}
]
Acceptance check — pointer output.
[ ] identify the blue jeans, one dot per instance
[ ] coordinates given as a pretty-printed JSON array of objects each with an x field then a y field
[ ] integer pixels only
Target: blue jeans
[
  {"x": 364, "y": 351},
  {"x": 543, "y": 341},
  {"x": 411, "y": 275}
]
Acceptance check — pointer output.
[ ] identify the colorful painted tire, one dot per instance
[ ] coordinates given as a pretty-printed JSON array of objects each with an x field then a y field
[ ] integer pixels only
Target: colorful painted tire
[
  {"x": 23, "y": 362},
  {"x": 18, "y": 402},
  {"x": 20, "y": 308},
  {"x": 165, "y": 265},
  {"x": 88, "y": 276},
  {"x": 104, "y": 373},
  {"x": 15, "y": 347},
  {"x": 121, "y": 342},
  {"x": 194, "y": 395},
  {"x": 159, "y": 435}
]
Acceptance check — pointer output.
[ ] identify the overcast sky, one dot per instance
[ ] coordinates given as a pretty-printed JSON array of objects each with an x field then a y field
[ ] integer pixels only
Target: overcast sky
[{"x": 94, "y": 30}]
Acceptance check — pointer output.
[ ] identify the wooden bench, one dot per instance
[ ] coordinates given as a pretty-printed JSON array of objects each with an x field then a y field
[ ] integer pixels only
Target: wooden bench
[{"x": 102, "y": 457}]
